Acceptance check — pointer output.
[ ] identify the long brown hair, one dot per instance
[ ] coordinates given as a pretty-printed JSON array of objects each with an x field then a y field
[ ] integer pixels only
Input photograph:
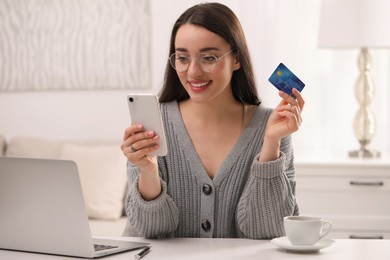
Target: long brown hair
[{"x": 222, "y": 21}]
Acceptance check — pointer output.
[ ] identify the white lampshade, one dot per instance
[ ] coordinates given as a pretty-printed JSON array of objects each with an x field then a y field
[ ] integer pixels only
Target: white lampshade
[{"x": 355, "y": 24}]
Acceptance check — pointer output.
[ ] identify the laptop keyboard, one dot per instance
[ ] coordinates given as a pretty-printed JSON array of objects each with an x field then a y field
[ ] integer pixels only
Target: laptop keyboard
[{"x": 103, "y": 247}]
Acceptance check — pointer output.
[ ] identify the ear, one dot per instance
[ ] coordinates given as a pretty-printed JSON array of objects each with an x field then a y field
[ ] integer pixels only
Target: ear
[{"x": 237, "y": 64}]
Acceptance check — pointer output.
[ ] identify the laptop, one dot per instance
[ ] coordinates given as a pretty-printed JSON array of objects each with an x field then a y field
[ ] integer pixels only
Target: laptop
[{"x": 42, "y": 210}]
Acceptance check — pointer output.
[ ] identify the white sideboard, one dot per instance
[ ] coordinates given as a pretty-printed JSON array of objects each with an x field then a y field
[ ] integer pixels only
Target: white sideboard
[{"x": 352, "y": 193}]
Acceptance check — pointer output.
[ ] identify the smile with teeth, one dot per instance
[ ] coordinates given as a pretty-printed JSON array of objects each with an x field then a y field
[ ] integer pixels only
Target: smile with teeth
[{"x": 199, "y": 85}]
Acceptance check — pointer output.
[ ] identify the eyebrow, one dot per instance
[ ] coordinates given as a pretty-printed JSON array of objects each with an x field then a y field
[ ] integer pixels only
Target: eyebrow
[{"x": 201, "y": 50}]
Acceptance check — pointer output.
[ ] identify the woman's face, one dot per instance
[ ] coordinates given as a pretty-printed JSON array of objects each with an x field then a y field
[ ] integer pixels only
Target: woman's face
[{"x": 202, "y": 83}]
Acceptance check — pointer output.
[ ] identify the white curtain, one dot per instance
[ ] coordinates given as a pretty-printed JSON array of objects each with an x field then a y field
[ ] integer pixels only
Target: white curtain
[{"x": 287, "y": 31}]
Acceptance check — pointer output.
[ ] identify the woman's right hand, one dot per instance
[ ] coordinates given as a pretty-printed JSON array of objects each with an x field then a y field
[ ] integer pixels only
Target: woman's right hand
[{"x": 137, "y": 146}]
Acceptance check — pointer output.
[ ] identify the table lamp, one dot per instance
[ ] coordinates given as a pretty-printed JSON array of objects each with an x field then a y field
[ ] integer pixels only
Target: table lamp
[{"x": 361, "y": 24}]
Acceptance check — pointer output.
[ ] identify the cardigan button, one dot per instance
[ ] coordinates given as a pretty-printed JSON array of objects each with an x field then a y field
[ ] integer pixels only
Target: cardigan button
[
  {"x": 206, "y": 225},
  {"x": 207, "y": 189}
]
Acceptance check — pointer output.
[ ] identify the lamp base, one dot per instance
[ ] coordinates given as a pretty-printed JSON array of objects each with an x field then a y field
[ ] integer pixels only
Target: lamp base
[
  {"x": 364, "y": 122},
  {"x": 364, "y": 153}
]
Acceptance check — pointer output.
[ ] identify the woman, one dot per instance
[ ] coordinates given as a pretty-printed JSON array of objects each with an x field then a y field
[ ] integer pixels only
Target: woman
[{"x": 229, "y": 169}]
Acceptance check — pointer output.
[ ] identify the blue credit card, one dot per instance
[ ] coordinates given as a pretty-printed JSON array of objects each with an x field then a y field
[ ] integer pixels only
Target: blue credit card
[{"x": 283, "y": 79}]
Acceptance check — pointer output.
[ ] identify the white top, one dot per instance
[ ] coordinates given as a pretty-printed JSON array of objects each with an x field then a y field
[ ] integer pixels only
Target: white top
[{"x": 223, "y": 248}]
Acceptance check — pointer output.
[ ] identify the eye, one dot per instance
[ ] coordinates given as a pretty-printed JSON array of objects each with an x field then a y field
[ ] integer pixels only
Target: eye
[
  {"x": 208, "y": 58},
  {"x": 182, "y": 59}
]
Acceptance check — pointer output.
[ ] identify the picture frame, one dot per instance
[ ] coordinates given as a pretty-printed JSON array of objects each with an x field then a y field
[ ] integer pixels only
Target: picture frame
[{"x": 74, "y": 45}]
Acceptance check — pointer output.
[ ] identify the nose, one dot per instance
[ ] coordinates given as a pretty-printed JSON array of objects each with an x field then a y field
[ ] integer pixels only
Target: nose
[{"x": 194, "y": 67}]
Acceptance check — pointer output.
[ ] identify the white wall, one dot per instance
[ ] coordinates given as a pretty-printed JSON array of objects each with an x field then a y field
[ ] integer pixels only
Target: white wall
[
  {"x": 276, "y": 33},
  {"x": 64, "y": 115},
  {"x": 287, "y": 31}
]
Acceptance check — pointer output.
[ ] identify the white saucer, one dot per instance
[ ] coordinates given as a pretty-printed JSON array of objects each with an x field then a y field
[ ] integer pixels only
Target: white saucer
[{"x": 284, "y": 243}]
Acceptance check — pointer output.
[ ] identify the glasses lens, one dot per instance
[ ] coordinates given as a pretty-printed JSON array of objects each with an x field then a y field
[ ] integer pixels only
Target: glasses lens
[
  {"x": 172, "y": 60},
  {"x": 207, "y": 62},
  {"x": 181, "y": 62}
]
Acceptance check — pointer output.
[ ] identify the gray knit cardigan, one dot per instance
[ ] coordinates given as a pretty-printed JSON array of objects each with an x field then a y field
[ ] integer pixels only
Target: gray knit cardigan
[{"x": 245, "y": 199}]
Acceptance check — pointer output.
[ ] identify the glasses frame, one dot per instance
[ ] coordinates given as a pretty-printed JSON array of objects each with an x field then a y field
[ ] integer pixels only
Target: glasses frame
[{"x": 217, "y": 59}]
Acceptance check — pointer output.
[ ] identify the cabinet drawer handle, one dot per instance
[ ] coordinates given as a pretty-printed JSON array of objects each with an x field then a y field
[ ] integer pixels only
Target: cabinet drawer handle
[
  {"x": 365, "y": 237},
  {"x": 364, "y": 183}
]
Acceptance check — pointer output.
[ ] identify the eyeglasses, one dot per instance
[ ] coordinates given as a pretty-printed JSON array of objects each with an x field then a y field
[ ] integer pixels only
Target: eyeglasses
[{"x": 206, "y": 61}]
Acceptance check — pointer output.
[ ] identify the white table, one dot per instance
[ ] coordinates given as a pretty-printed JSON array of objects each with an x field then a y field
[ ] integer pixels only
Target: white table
[{"x": 199, "y": 248}]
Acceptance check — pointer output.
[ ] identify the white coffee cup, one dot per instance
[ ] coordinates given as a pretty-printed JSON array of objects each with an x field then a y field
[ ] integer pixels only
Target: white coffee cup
[{"x": 305, "y": 230}]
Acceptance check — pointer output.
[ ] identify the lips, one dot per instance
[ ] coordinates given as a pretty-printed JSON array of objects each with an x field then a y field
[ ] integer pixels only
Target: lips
[{"x": 198, "y": 86}]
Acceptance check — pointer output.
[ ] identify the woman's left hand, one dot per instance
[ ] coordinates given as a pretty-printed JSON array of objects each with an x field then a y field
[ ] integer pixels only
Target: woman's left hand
[{"x": 286, "y": 118}]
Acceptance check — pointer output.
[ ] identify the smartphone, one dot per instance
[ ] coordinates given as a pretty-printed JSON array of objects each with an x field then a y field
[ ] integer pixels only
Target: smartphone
[{"x": 145, "y": 109}]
